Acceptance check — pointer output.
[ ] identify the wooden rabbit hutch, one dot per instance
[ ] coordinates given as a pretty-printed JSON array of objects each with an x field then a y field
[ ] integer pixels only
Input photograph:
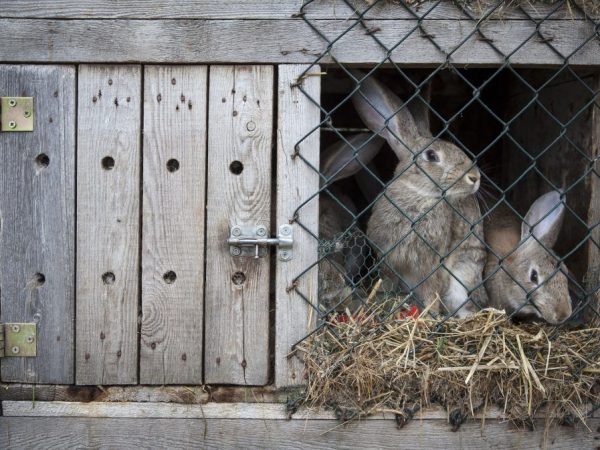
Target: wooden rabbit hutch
[{"x": 139, "y": 137}]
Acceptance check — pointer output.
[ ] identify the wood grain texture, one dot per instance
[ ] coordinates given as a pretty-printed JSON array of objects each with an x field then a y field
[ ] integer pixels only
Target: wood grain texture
[
  {"x": 108, "y": 210},
  {"x": 237, "y": 315},
  {"x": 296, "y": 183},
  {"x": 51, "y": 432},
  {"x": 37, "y": 221},
  {"x": 270, "y": 9},
  {"x": 207, "y": 409},
  {"x": 293, "y": 41},
  {"x": 593, "y": 279},
  {"x": 173, "y": 224}
]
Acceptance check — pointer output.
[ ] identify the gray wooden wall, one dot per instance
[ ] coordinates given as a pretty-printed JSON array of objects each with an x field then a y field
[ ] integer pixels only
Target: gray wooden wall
[{"x": 110, "y": 230}]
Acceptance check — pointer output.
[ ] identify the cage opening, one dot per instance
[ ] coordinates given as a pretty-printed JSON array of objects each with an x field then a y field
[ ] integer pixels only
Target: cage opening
[{"x": 527, "y": 132}]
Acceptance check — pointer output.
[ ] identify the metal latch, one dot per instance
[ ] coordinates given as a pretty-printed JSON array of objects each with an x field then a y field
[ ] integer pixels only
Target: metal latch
[
  {"x": 253, "y": 241},
  {"x": 18, "y": 339},
  {"x": 16, "y": 113}
]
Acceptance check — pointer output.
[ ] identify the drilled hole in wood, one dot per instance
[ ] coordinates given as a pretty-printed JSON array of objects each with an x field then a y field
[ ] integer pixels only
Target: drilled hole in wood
[
  {"x": 236, "y": 167},
  {"x": 39, "y": 279},
  {"x": 170, "y": 277},
  {"x": 108, "y": 278},
  {"x": 108, "y": 163},
  {"x": 42, "y": 160},
  {"x": 172, "y": 165},
  {"x": 238, "y": 278}
]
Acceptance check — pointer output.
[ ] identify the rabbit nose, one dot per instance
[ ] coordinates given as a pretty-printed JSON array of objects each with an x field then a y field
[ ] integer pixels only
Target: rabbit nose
[{"x": 472, "y": 177}]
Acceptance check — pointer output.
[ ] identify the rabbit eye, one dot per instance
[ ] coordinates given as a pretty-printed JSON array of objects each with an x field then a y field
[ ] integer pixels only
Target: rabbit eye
[
  {"x": 534, "y": 276},
  {"x": 431, "y": 156}
]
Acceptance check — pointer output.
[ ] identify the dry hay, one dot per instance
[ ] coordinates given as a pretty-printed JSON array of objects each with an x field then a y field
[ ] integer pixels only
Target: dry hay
[{"x": 364, "y": 366}]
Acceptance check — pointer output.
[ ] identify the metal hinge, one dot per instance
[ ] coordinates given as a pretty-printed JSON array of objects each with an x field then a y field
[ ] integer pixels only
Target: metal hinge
[
  {"x": 18, "y": 339},
  {"x": 16, "y": 114},
  {"x": 253, "y": 241}
]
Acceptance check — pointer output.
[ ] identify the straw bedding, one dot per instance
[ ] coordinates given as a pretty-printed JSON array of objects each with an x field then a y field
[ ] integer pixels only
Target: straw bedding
[{"x": 364, "y": 365}]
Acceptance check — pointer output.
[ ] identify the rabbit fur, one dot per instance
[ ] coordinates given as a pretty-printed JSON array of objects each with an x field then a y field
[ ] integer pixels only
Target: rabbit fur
[
  {"x": 427, "y": 168},
  {"x": 529, "y": 267},
  {"x": 337, "y": 219}
]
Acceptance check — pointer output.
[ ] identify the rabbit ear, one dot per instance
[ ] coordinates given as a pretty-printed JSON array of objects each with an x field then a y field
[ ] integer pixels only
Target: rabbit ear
[
  {"x": 544, "y": 219},
  {"x": 420, "y": 111},
  {"x": 384, "y": 113},
  {"x": 369, "y": 182},
  {"x": 344, "y": 159}
]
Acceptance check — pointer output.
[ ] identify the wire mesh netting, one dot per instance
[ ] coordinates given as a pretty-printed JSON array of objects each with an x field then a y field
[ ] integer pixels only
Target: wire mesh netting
[
  {"x": 450, "y": 189},
  {"x": 453, "y": 188}
]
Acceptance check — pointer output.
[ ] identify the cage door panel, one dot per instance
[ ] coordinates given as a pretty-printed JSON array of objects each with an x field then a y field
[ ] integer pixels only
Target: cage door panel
[
  {"x": 37, "y": 218},
  {"x": 296, "y": 280},
  {"x": 173, "y": 224},
  {"x": 108, "y": 211},
  {"x": 239, "y": 193}
]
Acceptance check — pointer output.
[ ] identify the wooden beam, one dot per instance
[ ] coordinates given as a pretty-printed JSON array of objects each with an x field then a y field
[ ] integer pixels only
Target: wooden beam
[
  {"x": 273, "y": 9},
  {"x": 37, "y": 215},
  {"x": 293, "y": 41},
  {"x": 65, "y": 432},
  {"x": 208, "y": 410}
]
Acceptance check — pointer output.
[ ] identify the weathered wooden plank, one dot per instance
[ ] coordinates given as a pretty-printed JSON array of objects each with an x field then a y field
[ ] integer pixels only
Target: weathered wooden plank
[
  {"x": 274, "y": 9},
  {"x": 179, "y": 409},
  {"x": 239, "y": 193},
  {"x": 296, "y": 183},
  {"x": 212, "y": 410},
  {"x": 37, "y": 220},
  {"x": 173, "y": 224},
  {"x": 293, "y": 41},
  {"x": 108, "y": 209},
  {"x": 52, "y": 432}
]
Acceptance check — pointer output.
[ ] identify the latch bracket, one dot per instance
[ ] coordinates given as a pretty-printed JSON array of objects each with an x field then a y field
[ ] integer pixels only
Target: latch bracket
[
  {"x": 18, "y": 339},
  {"x": 253, "y": 241},
  {"x": 16, "y": 114}
]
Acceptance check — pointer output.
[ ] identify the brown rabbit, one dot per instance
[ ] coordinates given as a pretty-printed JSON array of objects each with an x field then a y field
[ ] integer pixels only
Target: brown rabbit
[
  {"x": 337, "y": 212},
  {"x": 530, "y": 268},
  {"x": 425, "y": 215}
]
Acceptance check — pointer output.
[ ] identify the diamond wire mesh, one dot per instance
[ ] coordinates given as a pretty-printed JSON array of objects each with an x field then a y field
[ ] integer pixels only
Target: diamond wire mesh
[{"x": 357, "y": 266}]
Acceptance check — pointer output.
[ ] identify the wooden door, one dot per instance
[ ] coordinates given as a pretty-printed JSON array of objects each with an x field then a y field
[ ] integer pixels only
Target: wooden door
[{"x": 169, "y": 159}]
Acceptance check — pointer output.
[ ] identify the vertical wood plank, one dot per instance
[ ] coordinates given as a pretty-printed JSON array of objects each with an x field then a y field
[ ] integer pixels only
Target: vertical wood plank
[
  {"x": 237, "y": 307},
  {"x": 37, "y": 219},
  {"x": 108, "y": 209},
  {"x": 296, "y": 182},
  {"x": 593, "y": 274},
  {"x": 173, "y": 224}
]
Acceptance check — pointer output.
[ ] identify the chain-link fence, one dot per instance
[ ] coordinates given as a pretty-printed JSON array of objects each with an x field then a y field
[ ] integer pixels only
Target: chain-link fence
[{"x": 449, "y": 189}]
